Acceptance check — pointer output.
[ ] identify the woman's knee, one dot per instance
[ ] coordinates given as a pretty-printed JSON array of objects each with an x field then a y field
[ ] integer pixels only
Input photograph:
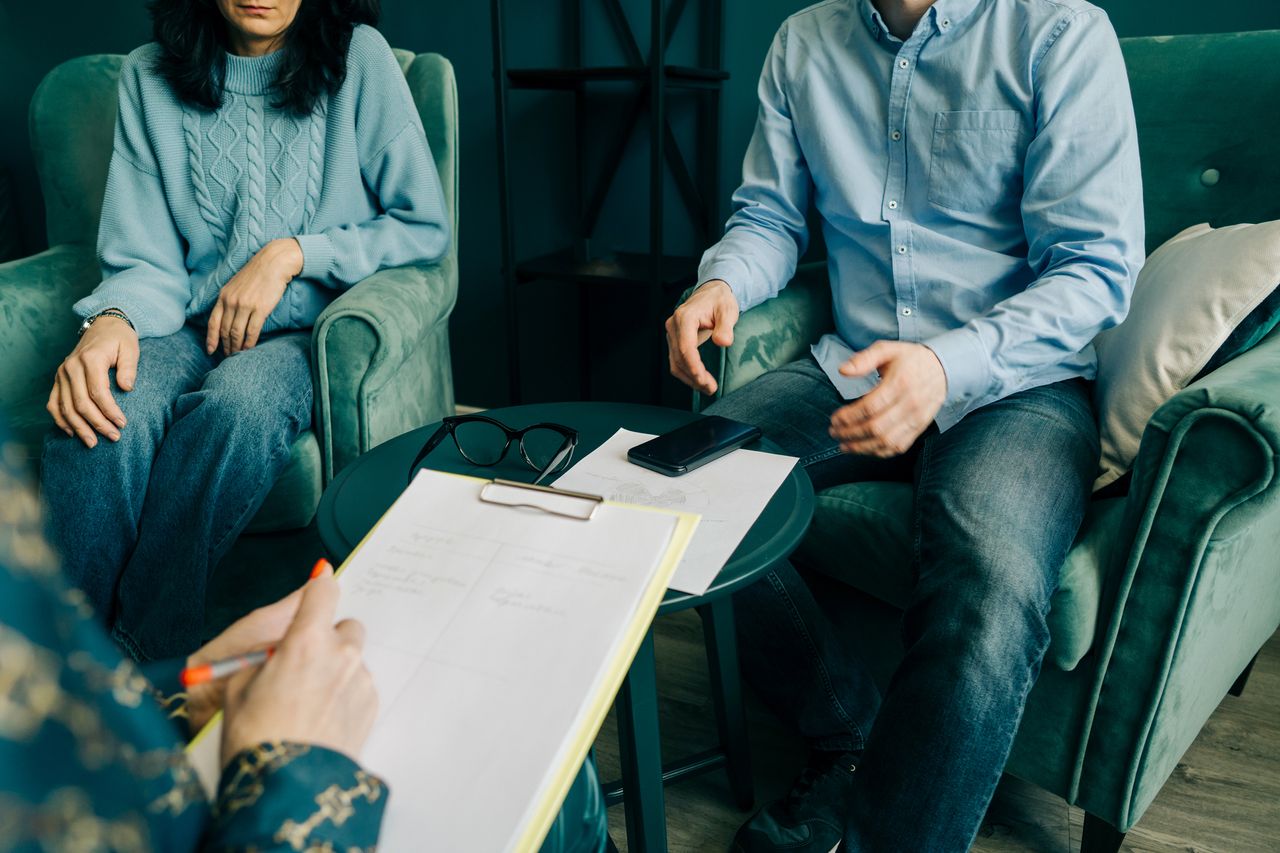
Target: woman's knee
[
  {"x": 239, "y": 409},
  {"x": 67, "y": 457},
  {"x": 270, "y": 389}
]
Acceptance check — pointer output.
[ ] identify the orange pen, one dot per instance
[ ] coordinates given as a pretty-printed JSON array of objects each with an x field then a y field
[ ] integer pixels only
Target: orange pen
[{"x": 206, "y": 672}]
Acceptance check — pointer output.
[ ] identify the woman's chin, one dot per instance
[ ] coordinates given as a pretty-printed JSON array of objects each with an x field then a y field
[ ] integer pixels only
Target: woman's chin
[{"x": 262, "y": 32}]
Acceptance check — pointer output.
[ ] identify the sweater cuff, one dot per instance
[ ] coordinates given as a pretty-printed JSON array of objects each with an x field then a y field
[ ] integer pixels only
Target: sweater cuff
[
  {"x": 967, "y": 366},
  {"x": 139, "y": 314},
  {"x": 317, "y": 256}
]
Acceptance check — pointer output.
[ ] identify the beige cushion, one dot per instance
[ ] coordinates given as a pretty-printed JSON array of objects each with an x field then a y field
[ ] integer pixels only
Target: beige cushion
[{"x": 1190, "y": 296}]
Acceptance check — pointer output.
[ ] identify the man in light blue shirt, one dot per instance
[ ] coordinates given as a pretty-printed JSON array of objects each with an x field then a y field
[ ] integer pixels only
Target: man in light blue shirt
[{"x": 974, "y": 167}]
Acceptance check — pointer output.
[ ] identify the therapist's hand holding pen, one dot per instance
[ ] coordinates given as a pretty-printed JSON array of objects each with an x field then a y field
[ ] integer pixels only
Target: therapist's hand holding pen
[
  {"x": 260, "y": 630},
  {"x": 314, "y": 687}
]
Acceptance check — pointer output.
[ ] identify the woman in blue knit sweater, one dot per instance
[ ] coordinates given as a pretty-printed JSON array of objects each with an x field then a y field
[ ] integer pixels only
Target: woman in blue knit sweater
[{"x": 268, "y": 155}]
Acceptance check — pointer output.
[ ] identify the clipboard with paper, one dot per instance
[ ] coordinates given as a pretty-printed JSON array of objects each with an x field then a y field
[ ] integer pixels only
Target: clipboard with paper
[{"x": 501, "y": 621}]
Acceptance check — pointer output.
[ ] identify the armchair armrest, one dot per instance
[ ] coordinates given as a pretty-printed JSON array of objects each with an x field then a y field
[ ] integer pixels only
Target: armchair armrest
[
  {"x": 1198, "y": 592},
  {"x": 776, "y": 332},
  {"x": 37, "y": 328},
  {"x": 380, "y": 359}
]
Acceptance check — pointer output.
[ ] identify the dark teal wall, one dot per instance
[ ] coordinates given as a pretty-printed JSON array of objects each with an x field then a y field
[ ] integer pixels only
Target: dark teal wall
[{"x": 36, "y": 36}]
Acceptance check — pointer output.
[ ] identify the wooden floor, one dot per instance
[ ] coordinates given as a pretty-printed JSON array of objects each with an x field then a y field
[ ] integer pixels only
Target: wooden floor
[{"x": 1223, "y": 797}]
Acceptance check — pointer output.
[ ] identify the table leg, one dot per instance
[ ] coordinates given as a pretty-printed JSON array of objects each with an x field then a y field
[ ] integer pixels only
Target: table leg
[
  {"x": 641, "y": 754},
  {"x": 726, "y": 692}
]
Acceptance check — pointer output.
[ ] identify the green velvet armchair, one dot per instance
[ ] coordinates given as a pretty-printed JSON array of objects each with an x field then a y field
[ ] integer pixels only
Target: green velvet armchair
[
  {"x": 380, "y": 352},
  {"x": 1171, "y": 590}
]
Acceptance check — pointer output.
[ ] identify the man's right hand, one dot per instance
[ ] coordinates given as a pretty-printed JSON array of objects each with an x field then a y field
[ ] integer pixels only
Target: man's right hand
[
  {"x": 314, "y": 690},
  {"x": 710, "y": 312},
  {"x": 80, "y": 402}
]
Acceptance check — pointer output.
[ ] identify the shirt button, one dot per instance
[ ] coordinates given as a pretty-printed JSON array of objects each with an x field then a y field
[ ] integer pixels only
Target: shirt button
[
  {"x": 946, "y": 22},
  {"x": 896, "y": 135},
  {"x": 902, "y": 63},
  {"x": 906, "y": 312},
  {"x": 893, "y": 205},
  {"x": 902, "y": 250}
]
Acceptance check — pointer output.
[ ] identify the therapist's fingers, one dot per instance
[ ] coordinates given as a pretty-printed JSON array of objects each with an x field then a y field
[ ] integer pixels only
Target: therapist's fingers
[{"x": 351, "y": 631}]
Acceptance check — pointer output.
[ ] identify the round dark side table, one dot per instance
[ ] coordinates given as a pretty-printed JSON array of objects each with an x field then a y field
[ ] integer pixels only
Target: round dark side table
[{"x": 358, "y": 497}]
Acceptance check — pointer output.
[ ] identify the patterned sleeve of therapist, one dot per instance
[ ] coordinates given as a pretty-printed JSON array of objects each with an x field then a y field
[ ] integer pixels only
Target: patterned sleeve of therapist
[
  {"x": 978, "y": 187},
  {"x": 89, "y": 760}
]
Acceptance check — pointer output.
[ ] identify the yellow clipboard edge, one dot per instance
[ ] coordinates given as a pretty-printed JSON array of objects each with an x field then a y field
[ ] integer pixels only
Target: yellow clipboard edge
[
  {"x": 200, "y": 735},
  {"x": 549, "y": 808}
]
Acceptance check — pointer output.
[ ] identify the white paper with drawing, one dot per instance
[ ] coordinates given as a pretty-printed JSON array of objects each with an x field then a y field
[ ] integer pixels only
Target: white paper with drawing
[
  {"x": 729, "y": 494},
  {"x": 490, "y": 629}
]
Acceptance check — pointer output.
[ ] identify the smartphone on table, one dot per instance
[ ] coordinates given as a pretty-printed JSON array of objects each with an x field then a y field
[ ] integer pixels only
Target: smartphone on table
[{"x": 692, "y": 445}]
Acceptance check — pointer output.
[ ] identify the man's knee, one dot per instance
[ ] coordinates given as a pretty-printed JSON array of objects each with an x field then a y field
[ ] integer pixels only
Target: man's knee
[
  {"x": 990, "y": 605},
  {"x": 791, "y": 405}
]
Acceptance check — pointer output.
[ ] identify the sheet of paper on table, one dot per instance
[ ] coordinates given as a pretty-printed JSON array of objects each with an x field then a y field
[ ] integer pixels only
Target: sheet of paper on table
[
  {"x": 497, "y": 637},
  {"x": 729, "y": 494}
]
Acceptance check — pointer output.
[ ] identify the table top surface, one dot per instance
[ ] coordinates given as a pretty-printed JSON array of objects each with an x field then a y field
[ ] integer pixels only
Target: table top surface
[{"x": 364, "y": 490}]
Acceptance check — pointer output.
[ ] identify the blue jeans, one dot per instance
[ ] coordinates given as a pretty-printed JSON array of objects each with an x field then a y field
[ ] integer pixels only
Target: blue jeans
[
  {"x": 998, "y": 500},
  {"x": 141, "y": 523}
]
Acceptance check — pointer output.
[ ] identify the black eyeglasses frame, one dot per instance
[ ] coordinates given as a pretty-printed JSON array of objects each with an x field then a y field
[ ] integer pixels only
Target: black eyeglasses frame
[{"x": 561, "y": 459}]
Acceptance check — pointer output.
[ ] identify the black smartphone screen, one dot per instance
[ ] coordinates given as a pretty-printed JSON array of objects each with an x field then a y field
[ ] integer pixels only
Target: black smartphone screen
[{"x": 693, "y": 444}]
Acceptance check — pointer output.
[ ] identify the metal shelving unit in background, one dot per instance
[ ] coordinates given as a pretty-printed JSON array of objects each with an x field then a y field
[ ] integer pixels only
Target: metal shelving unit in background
[{"x": 652, "y": 81}]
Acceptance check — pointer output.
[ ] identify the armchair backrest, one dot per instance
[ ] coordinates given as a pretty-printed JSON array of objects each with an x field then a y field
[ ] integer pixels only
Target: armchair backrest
[
  {"x": 72, "y": 122},
  {"x": 1208, "y": 110},
  {"x": 73, "y": 115}
]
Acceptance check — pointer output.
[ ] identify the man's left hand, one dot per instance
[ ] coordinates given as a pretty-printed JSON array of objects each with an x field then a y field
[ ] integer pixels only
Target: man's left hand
[
  {"x": 889, "y": 418},
  {"x": 259, "y": 630},
  {"x": 251, "y": 295}
]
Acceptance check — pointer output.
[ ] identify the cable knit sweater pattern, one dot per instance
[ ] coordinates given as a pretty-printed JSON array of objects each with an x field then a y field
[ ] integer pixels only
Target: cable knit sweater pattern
[{"x": 193, "y": 194}]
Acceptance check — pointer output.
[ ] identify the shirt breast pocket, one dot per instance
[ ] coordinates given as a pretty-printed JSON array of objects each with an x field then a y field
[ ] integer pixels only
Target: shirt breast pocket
[{"x": 976, "y": 164}]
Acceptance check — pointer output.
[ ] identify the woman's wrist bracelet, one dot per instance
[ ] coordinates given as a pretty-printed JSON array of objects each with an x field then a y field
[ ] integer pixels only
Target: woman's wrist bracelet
[{"x": 107, "y": 312}]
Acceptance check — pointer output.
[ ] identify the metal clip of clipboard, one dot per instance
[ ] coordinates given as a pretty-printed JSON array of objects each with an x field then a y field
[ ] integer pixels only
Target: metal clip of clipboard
[{"x": 577, "y": 505}]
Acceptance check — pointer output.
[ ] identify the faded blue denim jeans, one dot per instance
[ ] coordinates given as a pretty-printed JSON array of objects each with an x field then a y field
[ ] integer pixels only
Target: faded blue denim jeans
[
  {"x": 998, "y": 500},
  {"x": 142, "y": 522}
]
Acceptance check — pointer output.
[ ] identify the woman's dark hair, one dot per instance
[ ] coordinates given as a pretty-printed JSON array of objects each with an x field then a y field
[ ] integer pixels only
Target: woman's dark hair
[{"x": 193, "y": 44}]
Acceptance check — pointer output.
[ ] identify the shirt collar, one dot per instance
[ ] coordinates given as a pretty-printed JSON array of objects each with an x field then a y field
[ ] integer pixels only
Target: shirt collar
[{"x": 944, "y": 15}]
